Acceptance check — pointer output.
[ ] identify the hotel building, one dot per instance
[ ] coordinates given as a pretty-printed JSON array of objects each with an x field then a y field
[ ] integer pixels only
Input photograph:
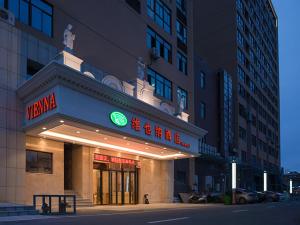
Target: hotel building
[{"x": 107, "y": 119}]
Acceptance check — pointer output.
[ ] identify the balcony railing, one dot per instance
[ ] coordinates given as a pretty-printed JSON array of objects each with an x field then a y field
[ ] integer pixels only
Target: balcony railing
[{"x": 208, "y": 150}]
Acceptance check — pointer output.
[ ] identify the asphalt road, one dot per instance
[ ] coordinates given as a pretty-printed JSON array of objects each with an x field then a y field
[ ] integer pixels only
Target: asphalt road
[{"x": 283, "y": 213}]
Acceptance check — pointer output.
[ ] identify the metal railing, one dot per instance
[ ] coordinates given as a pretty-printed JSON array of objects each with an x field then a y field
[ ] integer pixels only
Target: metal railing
[
  {"x": 208, "y": 150},
  {"x": 55, "y": 204}
]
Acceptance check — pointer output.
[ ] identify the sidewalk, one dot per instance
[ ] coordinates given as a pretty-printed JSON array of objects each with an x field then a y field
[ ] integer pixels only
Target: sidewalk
[{"x": 139, "y": 207}]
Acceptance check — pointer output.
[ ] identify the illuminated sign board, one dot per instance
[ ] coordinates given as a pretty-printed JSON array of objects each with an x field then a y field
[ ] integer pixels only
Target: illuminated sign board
[
  {"x": 156, "y": 130},
  {"x": 41, "y": 106},
  {"x": 113, "y": 159},
  {"x": 118, "y": 119}
]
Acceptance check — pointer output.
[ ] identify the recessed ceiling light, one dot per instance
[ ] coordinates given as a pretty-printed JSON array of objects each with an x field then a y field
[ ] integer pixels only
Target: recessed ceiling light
[
  {"x": 97, "y": 130},
  {"x": 105, "y": 138},
  {"x": 146, "y": 148},
  {"x": 127, "y": 143},
  {"x": 162, "y": 152},
  {"x": 61, "y": 121},
  {"x": 124, "y": 138},
  {"x": 146, "y": 143},
  {"x": 164, "y": 148},
  {"x": 44, "y": 128},
  {"x": 179, "y": 152},
  {"x": 192, "y": 155},
  {"x": 78, "y": 132}
]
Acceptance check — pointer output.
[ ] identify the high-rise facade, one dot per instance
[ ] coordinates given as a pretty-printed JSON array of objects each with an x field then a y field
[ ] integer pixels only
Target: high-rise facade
[{"x": 241, "y": 38}]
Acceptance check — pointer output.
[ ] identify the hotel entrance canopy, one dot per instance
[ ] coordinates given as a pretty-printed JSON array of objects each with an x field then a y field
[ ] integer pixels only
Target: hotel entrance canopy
[{"x": 63, "y": 104}]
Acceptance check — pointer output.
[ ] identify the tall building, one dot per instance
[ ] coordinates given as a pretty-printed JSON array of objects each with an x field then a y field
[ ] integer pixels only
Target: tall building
[
  {"x": 240, "y": 37},
  {"x": 97, "y": 99}
]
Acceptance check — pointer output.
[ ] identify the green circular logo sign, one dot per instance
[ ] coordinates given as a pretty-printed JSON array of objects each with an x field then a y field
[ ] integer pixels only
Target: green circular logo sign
[{"x": 118, "y": 119}]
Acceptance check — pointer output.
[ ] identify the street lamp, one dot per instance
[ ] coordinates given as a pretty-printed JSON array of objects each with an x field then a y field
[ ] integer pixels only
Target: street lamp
[
  {"x": 233, "y": 184},
  {"x": 265, "y": 181},
  {"x": 291, "y": 186}
]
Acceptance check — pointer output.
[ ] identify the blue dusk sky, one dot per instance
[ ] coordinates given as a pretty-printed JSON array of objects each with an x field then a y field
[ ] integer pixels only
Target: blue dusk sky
[{"x": 288, "y": 12}]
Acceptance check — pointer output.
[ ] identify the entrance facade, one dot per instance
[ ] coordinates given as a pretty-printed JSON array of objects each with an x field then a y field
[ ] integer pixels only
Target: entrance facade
[{"x": 115, "y": 184}]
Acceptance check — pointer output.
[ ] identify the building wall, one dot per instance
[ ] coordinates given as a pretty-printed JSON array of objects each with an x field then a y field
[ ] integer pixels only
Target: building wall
[
  {"x": 113, "y": 36},
  {"x": 41, "y": 183},
  {"x": 15, "y": 48}
]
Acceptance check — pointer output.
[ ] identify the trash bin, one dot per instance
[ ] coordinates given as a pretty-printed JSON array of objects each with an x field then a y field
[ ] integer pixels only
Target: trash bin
[{"x": 227, "y": 200}]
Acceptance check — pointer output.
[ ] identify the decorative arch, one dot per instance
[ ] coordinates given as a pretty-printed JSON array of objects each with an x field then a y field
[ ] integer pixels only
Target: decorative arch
[
  {"x": 113, "y": 82},
  {"x": 89, "y": 74}
]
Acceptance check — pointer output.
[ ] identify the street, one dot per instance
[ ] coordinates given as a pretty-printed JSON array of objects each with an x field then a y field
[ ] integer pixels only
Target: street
[{"x": 282, "y": 213}]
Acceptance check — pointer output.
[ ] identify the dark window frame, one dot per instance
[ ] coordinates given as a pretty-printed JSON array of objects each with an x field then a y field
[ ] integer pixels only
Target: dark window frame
[
  {"x": 166, "y": 12},
  {"x": 30, "y": 5},
  {"x": 166, "y": 52},
  {"x": 202, "y": 110},
  {"x": 158, "y": 78},
  {"x": 181, "y": 62},
  {"x": 39, "y": 170}
]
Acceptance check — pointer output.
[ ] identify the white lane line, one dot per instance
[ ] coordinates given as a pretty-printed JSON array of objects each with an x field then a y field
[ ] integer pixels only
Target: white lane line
[
  {"x": 168, "y": 220},
  {"x": 240, "y": 210}
]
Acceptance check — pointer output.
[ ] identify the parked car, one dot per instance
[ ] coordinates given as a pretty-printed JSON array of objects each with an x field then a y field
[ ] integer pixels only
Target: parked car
[
  {"x": 272, "y": 196},
  {"x": 261, "y": 197},
  {"x": 197, "y": 198},
  {"x": 244, "y": 196}
]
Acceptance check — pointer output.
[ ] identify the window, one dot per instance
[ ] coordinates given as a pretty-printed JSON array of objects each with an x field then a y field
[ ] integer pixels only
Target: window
[
  {"x": 253, "y": 140},
  {"x": 202, "y": 80},
  {"x": 36, "y": 13},
  {"x": 160, "y": 13},
  {"x": 240, "y": 21},
  {"x": 241, "y": 74},
  {"x": 244, "y": 156},
  {"x": 240, "y": 38},
  {"x": 202, "y": 110},
  {"x": 38, "y": 162},
  {"x": 163, "y": 47},
  {"x": 183, "y": 93},
  {"x": 2, "y": 3},
  {"x": 242, "y": 133},
  {"x": 181, "y": 63},
  {"x": 180, "y": 4},
  {"x": 239, "y": 4},
  {"x": 163, "y": 87},
  {"x": 135, "y": 4},
  {"x": 241, "y": 57},
  {"x": 181, "y": 32}
]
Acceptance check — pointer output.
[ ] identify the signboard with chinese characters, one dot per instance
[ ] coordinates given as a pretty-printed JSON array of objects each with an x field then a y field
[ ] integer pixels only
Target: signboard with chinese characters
[
  {"x": 158, "y": 132},
  {"x": 113, "y": 159},
  {"x": 107, "y": 115}
]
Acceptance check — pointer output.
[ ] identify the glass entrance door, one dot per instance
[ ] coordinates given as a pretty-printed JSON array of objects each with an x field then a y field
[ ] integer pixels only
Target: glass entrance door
[{"x": 114, "y": 187}]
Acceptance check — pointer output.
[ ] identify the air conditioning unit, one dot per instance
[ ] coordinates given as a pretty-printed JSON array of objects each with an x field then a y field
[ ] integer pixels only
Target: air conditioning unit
[
  {"x": 7, "y": 16},
  {"x": 154, "y": 53}
]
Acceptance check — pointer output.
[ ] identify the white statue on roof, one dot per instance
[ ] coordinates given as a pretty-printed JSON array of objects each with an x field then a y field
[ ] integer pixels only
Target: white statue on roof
[
  {"x": 69, "y": 38},
  {"x": 141, "y": 69}
]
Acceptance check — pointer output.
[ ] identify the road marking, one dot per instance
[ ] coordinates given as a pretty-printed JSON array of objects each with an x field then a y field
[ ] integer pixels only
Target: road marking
[
  {"x": 240, "y": 210},
  {"x": 168, "y": 220}
]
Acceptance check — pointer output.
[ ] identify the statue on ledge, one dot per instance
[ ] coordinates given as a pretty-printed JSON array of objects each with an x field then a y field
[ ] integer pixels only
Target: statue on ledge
[
  {"x": 69, "y": 38},
  {"x": 141, "y": 69},
  {"x": 180, "y": 102}
]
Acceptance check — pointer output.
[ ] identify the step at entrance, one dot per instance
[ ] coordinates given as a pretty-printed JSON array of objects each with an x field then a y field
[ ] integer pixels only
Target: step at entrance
[
  {"x": 80, "y": 201},
  {"x": 16, "y": 210}
]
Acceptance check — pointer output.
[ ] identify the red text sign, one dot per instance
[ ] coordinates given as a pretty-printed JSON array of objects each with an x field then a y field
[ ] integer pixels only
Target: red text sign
[
  {"x": 113, "y": 159},
  {"x": 41, "y": 106},
  {"x": 159, "y": 132}
]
